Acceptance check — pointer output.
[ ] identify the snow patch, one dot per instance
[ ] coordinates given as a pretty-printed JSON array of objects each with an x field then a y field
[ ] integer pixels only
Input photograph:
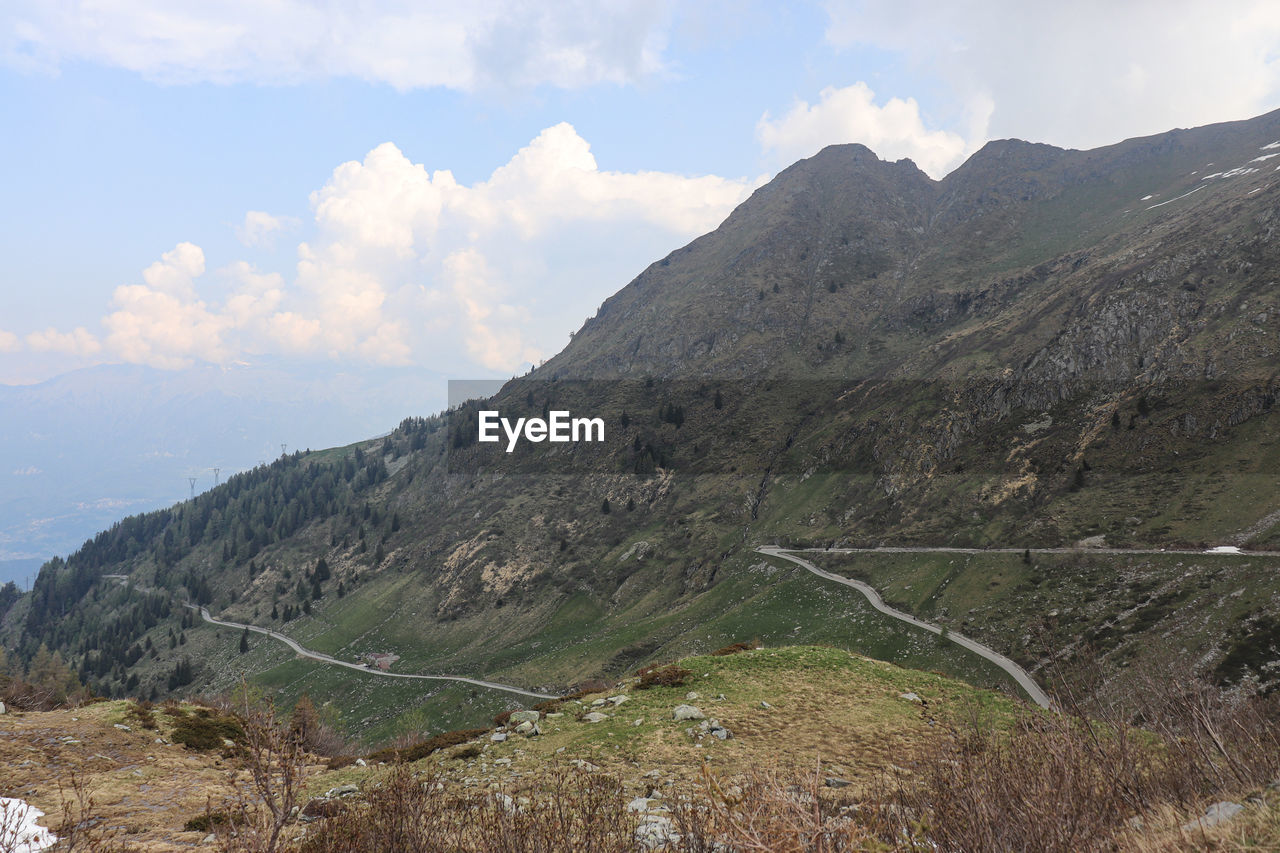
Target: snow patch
[
  {"x": 1270, "y": 145},
  {"x": 1146, "y": 198},
  {"x": 19, "y": 831},
  {"x": 1264, "y": 157},
  {"x": 1224, "y": 549},
  {"x": 1170, "y": 201}
]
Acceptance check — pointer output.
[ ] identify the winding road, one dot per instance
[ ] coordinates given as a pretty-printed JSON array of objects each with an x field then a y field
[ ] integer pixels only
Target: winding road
[
  {"x": 323, "y": 658},
  {"x": 1020, "y": 675}
]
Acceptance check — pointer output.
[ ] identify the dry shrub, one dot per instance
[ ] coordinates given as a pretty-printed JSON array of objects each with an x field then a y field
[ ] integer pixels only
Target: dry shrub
[
  {"x": 771, "y": 812},
  {"x": 734, "y": 649},
  {"x": 424, "y": 748},
  {"x": 550, "y": 706},
  {"x": 143, "y": 713},
  {"x": 82, "y": 828},
  {"x": 669, "y": 675},
  {"x": 413, "y": 814},
  {"x": 1067, "y": 782},
  {"x": 585, "y": 688},
  {"x": 275, "y": 763},
  {"x": 338, "y": 762},
  {"x": 504, "y": 718}
]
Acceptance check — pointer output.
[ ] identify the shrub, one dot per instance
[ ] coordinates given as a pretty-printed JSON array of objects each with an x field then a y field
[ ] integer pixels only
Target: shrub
[
  {"x": 424, "y": 748},
  {"x": 662, "y": 676},
  {"x": 204, "y": 729},
  {"x": 734, "y": 649}
]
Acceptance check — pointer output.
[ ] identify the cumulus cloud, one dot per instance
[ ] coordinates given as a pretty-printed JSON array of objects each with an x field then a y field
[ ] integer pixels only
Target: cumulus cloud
[
  {"x": 1082, "y": 74},
  {"x": 9, "y": 342},
  {"x": 850, "y": 114},
  {"x": 409, "y": 266},
  {"x": 260, "y": 228},
  {"x": 405, "y": 44},
  {"x": 80, "y": 342}
]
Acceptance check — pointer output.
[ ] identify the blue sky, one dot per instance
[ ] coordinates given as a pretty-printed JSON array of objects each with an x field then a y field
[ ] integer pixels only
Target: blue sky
[{"x": 219, "y": 184}]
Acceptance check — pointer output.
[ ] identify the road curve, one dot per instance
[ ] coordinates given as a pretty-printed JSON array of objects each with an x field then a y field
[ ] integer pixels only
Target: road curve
[
  {"x": 1020, "y": 675},
  {"x": 323, "y": 658}
]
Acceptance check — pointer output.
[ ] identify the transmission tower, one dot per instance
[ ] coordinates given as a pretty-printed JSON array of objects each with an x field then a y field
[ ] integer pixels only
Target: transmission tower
[
  {"x": 216, "y": 472},
  {"x": 284, "y": 450},
  {"x": 192, "y": 481}
]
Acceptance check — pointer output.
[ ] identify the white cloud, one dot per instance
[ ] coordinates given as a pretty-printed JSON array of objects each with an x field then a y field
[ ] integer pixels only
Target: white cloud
[
  {"x": 80, "y": 342},
  {"x": 408, "y": 266},
  {"x": 9, "y": 342},
  {"x": 850, "y": 114},
  {"x": 1082, "y": 74},
  {"x": 29, "y": 471},
  {"x": 403, "y": 43},
  {"x": 261, "y": 229}
]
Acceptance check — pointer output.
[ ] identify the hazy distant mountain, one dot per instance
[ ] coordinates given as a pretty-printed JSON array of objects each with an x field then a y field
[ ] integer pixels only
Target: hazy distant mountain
[{"x": 86, "y": 448}]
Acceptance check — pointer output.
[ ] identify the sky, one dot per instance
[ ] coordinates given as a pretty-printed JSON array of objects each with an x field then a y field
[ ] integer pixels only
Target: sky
[{"x": 458, "y": 186}]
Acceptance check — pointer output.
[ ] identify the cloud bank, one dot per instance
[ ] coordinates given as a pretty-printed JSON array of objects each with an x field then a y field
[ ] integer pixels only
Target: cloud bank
[
  {"x": 405, "y": 44},
  {"x": 850, "y": 114},
  {"x": 408, "y": 266},
  {"x": 1081, "y": 74}
]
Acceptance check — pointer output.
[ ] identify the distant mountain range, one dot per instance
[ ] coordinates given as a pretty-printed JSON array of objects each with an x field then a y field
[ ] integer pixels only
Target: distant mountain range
[{"x": 86, "y": 448}]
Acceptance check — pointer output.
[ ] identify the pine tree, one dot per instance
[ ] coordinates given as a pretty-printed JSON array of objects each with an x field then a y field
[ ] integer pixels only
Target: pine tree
[{"x": 244, "y": 642}]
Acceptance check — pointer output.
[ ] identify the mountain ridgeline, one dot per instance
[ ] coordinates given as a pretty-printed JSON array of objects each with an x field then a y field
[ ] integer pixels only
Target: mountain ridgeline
[{"x": 1046, "y": 347}]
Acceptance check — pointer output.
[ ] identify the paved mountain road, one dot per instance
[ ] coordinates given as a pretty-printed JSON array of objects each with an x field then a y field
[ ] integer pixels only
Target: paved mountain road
[
  {"x": 1020, "y": 675},
  {"x": 323, "y": 658}
]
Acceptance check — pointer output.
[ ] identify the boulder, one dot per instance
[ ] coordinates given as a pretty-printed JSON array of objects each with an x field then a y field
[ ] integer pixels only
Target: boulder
[
  {"x": 686, "y": 712},
  {"x": 618, "y": 700},
  {"x": 518, "y": 717},
  {"x": 498, "y": 737},
  {"x": 1217, "y": 813},
  {"x": 595, "y": 717}
]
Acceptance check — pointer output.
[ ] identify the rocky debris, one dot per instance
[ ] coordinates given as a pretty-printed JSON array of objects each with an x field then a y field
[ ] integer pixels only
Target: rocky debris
[
  {"x": 595, "y": 717},
  {"x": 508, "y": 804},
  {"x": 1217, "y": 813},
  {"x": 122, "y": 727},
  {"x": 687, "y": 712},
  {"x": 618, "y": 700},
  {"x": 518, "y": 717},
  {"x": 342, "y": 791},
  {"x": 583, "y": 765},
  {"x": 709, "y": 727},
  {"x": 528, "y": 729},
  {"x": 318, "y": 807},
  {"x": 691, "y": 696},
  {"x": 656, "y": 831},
  {"x": 835, "y": 782},
  {"x": 498, "y": 737}
]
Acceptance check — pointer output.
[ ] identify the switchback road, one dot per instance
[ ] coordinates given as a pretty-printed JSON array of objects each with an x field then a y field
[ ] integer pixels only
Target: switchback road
[
  {"x": 323, "y": 658},
  {"x": 1020, "y": 675}
]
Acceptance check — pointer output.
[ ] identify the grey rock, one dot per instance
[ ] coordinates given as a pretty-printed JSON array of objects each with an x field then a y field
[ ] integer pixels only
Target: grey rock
[
  {"x": 360, "y": 762},
  {"x": 518, "y": 717},
  {"x": 656, "y": 832},
  {"x": 910, "y": 697},
  {"x": 498, "y": 737},
  {"x": 834, "y": 782},
  {"x": 595, "y": 717},
  {"x": 766, "y": 705},
  {"x": 686, "y": 712},
  {"x": 1217, "y": 813}
]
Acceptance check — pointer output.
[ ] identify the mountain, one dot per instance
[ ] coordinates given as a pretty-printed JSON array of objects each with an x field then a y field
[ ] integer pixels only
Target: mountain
[
  {"x": 1045, "y": 349},
  {"x": 80, "y": 450}
]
